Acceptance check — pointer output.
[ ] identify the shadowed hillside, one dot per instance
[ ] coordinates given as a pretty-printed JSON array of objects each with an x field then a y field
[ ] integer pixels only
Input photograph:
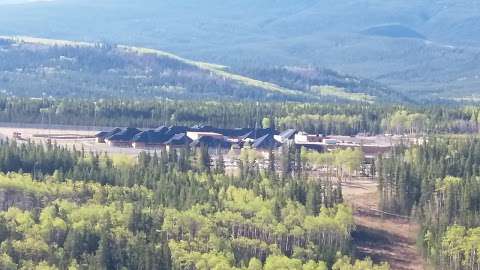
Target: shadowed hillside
[{"x": 393, "y": 31}]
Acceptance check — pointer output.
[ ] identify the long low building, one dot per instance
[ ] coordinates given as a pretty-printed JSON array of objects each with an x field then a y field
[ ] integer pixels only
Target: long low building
[
  {"x": 122, "y": 138},
  {"x": 164, "y": 136},
  {"x": 220, "y": 140},
  {"x": 150, "y": 139}
]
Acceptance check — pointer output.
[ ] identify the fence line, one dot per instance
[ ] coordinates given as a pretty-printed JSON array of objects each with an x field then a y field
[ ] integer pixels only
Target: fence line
[
  {"x": 378, "y": 211},
  {"x": 53, "y": 126}
]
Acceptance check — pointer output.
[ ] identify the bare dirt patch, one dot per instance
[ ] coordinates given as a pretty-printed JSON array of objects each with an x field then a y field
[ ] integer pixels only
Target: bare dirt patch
[
  {"x": 71, "y": 138},
  {"x": 382, "y": 237}
]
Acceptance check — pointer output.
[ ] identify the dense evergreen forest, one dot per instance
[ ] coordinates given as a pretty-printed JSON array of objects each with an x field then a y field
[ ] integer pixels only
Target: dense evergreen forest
[
  {"x": 324, "y": 118},
  {"x": 438, "y": 183},
  {"x": 67, "y": 209}
]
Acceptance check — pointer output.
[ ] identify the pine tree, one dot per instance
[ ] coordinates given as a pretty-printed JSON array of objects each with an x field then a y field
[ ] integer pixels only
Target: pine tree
[
  {"x": 313, "y": 201},
  {"x": 271, "y": 163},
  {"x": 220, "y": 165}
]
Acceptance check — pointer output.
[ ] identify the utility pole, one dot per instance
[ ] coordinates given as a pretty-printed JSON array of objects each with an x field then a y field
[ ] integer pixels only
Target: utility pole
[
  {"x": 165, "y": 112},
  {"x": 50, "y": 121},
  {"x": 94, "y": 114},
  {"x": 153, "y": 122}
]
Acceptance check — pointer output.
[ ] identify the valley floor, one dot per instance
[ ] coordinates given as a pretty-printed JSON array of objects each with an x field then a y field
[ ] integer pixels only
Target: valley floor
[
  {"x": 379, "y": 236},
  {"x": 382, "y": 237}
]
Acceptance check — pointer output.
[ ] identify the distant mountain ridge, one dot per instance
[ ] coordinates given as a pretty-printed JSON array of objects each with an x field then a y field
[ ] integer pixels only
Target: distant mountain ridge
[
  {"x": 393, "y": 31},
  {"x": 423, "y": 48}
]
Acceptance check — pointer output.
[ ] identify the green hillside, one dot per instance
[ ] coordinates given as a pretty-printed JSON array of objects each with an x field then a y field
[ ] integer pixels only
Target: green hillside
[{"x": 37, "y": 66}]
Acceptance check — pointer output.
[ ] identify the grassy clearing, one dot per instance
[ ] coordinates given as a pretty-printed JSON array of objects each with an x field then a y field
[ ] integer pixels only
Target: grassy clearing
[
  {"x": 333, "y": 91},
  {"x": 218, "y": 70},
  {"x": 472, "y": 98},
  {"x": 46, "y": 42},
  {"x": 123, "y": 160}
]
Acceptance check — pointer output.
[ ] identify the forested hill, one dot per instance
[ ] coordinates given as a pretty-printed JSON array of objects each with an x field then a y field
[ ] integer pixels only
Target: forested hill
[
  {"x": 423, "y": 48},
  {"x": 320, "y": 81},
  {"x": 35, "y": 67}
]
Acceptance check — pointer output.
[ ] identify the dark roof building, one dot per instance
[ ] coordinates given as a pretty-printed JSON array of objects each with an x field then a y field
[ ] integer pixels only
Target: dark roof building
[
  {"x": 105, "y": 134},
  {"x": 200, "y": 128},
  {"x": 150, "y": 138},
  {"x": 161, "y": 129},
  {"x": 266, "y": 142},
  {"x": 102, "y": 135},
  {"x": 258, "y": 133},
  {"x": 235, "y": 132},
  {"x": 211, "y": 142},
  {"x": 179, "y": 140},
  {"x": 174, "y": 130},
  {"x": 176, "y": 136},
  {"x": 288, "y": 134},
  {"x": 124, "y": 136}
]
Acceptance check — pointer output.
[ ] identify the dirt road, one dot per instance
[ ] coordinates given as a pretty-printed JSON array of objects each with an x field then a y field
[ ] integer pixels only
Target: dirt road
[{"x": 383, "y": 238}]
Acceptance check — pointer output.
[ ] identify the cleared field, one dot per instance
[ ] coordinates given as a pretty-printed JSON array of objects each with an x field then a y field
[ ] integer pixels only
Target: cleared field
[{"x": 67, "y": 137}]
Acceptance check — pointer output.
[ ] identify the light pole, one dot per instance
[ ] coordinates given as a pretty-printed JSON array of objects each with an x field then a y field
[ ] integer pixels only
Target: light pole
[
  {"x": 256, "y": 119},
  {"x": 153, "y": 122},
  {"x": 94, "y": 114},
  {"x": 50, "y": 120}
]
